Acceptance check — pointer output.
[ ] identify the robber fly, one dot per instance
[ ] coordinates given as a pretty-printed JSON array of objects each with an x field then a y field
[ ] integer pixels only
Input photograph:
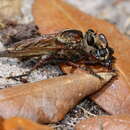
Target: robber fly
[{"x": 67, "y": 46}]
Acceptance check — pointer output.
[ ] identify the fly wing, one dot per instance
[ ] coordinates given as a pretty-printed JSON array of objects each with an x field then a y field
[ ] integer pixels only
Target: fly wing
[
  {"x": 43, "y": 45},
  {"x": 40, "y": 41}
]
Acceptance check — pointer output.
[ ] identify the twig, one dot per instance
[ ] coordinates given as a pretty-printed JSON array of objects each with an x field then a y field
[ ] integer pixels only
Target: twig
[{"x": 86, "y": 112}]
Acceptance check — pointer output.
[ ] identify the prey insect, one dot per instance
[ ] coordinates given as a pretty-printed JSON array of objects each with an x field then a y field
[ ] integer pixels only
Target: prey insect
[{"x": 67, "y": 46}]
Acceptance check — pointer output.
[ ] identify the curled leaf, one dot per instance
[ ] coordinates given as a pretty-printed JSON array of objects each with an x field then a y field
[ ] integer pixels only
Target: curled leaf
[
  {"x": 120, "y": 122},
  {"x": 49, "y": 100}
]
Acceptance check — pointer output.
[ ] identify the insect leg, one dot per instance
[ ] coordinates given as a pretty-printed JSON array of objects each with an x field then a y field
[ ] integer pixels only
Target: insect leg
[
  {"x": 38, "y": 64},
  {"x": 90, "y": 62},
  {"x": 84, "y": 69}
]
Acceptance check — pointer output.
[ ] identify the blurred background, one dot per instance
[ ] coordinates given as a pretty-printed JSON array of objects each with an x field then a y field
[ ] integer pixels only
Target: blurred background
[{"x": 115, "y": 11}]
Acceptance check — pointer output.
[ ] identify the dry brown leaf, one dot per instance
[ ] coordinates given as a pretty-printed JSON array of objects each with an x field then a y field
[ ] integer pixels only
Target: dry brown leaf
[
  {"x": 55, "y": 15},
  {"x": 17, "y": 123},
  {"x": 120, "y": 122},
  {"x": 10, "y": 9},
  {"x": 49, "y": 100}
]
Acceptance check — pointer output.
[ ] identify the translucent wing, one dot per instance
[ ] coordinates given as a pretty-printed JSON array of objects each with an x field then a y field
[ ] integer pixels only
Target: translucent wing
[{"x": 43, "y": 45}]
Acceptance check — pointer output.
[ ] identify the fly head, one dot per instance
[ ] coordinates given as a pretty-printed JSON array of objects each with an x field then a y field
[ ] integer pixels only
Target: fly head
[{"x": 98, "y": 47}]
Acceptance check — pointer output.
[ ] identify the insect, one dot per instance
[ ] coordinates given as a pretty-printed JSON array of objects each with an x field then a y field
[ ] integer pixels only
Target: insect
[{"x": 67, "y": 46}]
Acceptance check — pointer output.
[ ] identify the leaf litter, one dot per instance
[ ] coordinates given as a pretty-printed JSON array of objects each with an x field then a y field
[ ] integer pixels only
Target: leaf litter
[{"x": 13, "y": 66}]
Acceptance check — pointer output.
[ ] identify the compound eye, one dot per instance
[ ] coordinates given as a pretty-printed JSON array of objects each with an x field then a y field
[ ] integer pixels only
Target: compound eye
[
  {"x": 103, "y": 39},
  {"x": 90, "y": 40},
  {"x": 90, "y": 30},
  {"x": 90, "y": 37}
]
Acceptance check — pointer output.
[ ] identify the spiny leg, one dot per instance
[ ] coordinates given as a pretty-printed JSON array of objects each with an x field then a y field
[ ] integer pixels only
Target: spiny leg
[
  {"x": 37, "y": 65},
  {"x": 84, "y": 69}
]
